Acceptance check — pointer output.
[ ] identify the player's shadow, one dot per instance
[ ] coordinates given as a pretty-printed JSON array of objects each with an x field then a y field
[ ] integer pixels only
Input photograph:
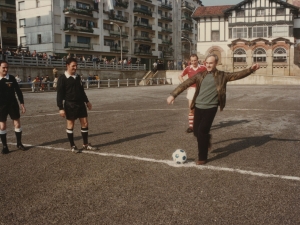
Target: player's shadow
[
  {"x": 63, "y": 140},
  {"x": 228, "y": 124},
  {"x": 244, "y": 143},
  {"x": 132, "y": 138}
]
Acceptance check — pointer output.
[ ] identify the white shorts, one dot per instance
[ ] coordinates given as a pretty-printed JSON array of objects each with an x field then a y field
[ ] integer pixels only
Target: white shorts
[{"x": 190, "y": 93}]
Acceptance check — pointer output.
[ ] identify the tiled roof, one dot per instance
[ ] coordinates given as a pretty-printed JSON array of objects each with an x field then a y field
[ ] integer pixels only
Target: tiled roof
[{"x": 210, "y": 11}]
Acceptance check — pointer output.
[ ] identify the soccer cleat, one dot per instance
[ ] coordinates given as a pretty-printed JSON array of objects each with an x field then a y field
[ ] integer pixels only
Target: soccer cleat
[
  {"x": 88, "y": 147},
  {"x": 75, "y": 149},
  {"x": 189, "y": 130},
  {"x": 5, "y": 150},
  {"x": 21, "y": 147},
  {"x": 201, "y": 162}
]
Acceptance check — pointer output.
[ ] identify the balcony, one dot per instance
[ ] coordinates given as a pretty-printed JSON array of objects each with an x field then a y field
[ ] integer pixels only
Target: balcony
[
  {"x": 73, "y": 45},
  {"x": 142, "y": 25},
  {"x": 166, "y": 6},
  {"x": 166, "y": 18},
  {"x": 187, "y": 6},
  {"x": 9, "y": 20},
  {"x": 73, "y": 28},
  {"x": 118, "y": 18},
  {"x": 166, "y": 42},
  {"x": 167, "y": 30},
  {"x": 118, "y": 49},
  {"x": 122, "y": 4},
  {"x": 72, "y": 10},
  {"x": 149, "y": 2},
  {"x": 147, "y": 12},
  {"x": 189, "y": 29},
  {"x": 138, "y": 51},
  {"x": 114, "y": 33},
  {"x": 140, "y": 38},
  {"x": 184, "y": 17}
]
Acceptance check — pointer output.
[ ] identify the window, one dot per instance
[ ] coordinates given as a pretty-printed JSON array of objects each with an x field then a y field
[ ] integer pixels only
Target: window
[
  {"x": 240, "y": 13},
  {"x": 215, "y": 35},
  {"x": 11, "y": 30},
  {"x": 159, "y": 36},
  {"x": 259, "y": 55},
  {"x": 22, "y": 22},
  {"x": 85, "y": 40},
  {"x": 239, "y": 32},
  {"x": 159, "y": 12},
  {"x": 39, "y": 38},
  {"x": 239, "y": 55},
  {"x": 81, "y": 5},
  {"x": 144, "y": 21},
  {"x": 21, "y": 6},
  {"x": 280, "y": 11},
  {"x": 38, "y": 20},
  {"x": 10, "y": 2},
  {"x": 159, "y": 24},
  {"x": 260, "y": 32},
  {"x": 108, "y": 26},
  {"x": 279, "y": 55},
  {"x": 280, "y": 31},
  {"x": 144, "y": 34},
  {"x": 23, "y": 40},
  {"x": 144, "y": 7},
  {"x": 260, "y": 12},
  {"x": 108, "y": 42}
]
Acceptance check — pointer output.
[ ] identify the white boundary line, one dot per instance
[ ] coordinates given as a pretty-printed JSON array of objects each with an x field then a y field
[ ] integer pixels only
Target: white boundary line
[
  {"x": 172, "y": 164},
  {"x": 147, "y": 110}
]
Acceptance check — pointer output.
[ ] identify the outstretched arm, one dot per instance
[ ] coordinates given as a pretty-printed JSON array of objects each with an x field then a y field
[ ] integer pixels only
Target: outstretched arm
[{"x": 241, "y": 74}]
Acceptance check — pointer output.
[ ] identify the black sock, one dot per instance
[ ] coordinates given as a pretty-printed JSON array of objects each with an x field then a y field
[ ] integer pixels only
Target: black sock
[
  {"x": 3, "y": 137},
  {"x": 18, "y": 132},
  {"x": 85, "y": 133},
  {"x": 70, "y": 137}
]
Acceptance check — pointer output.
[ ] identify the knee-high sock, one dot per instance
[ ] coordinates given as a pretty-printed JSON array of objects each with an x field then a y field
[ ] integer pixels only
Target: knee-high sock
[
  {"x": 70, "y": 137},
  {"x": 191, "y": 120},
  {"x": 3, "y": 137},
  {"x": 85, "y": 133},
  {"x": 18, "y": 132}
]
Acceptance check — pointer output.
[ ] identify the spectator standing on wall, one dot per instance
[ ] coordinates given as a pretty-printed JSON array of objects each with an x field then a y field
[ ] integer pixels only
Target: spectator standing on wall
[{"x": 18, "y": 79}]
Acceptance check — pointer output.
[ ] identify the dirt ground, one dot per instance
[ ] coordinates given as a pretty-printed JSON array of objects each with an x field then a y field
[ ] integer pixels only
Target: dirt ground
[{"x": 252, "y": 177}]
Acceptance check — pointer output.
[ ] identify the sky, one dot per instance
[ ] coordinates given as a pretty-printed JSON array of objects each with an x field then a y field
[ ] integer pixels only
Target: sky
[{"x": 220, "y": 2}]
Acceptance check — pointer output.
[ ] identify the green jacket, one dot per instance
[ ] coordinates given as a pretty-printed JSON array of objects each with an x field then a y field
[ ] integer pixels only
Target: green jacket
[{"x": 221, "y": 79}]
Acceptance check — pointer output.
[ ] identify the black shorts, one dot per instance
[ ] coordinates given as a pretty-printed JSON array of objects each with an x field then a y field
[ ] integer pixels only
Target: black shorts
[
  {"x": 75, "y": 110},
  {"x": 12, "y": 109}
]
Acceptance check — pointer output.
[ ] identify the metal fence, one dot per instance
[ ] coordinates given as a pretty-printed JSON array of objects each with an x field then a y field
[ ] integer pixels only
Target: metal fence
[
  {"x": 30, "y": 61},
  {"x": 48, "y": 86}
]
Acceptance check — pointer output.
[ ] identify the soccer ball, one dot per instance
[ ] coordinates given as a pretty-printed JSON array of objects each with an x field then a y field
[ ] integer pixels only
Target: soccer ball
[{"x": 179, "y": 156}]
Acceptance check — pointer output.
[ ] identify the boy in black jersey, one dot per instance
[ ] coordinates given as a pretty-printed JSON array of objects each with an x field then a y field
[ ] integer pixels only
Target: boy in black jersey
[
  {"x": 71, "y": 91},
  {"x": 10, "y": 106}
]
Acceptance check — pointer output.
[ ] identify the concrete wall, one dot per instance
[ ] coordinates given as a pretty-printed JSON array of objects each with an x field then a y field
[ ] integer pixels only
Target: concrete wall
[{"x": 24, "y": 72}]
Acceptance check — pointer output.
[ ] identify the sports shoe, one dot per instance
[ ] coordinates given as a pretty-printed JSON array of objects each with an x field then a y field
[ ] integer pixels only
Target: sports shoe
[
  {"x": 88, "y": 147},
  {"x": 75, "y": 149},
  {"x": 189, "y": 130},
  {"x": 5, "y": 150},
  {"x": 201, "y": 162},
  {"x": 21, "y": 147}
]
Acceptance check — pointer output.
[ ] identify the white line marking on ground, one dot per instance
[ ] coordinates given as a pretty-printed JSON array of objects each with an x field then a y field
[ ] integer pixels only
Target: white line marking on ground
[
  {"x": 171, "y": 163},
  {"x": 173, "y": 109}
]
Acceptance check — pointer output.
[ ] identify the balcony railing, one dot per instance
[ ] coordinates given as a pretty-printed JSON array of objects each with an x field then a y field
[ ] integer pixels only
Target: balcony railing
[
  {"x": 143, "y": 11},
  {"x": 138, "y": 51},
  {"x": 166, "y": 6},
  {"x": 117, "y": 33},
  {"x": 190, "y": 29},
  {"x": 118, "y": 49},
  {"x": 118, "y": 17},
  {"x": 72, "y": 27},
  {"x": 143, "y": 25},
  {"x": 78, "y": 45},
  {"x": 72, "y": 9},
  {"x": 169, "y": 30},
  {"x": 184, "y": 17},
  {"x": 9, "y": 20},
  {"x": 122, "y": 4},
  {"x": 140, "y": 38},
  {"x": 167, "y": 42},
  {"x": 187, "y": 6},
  {"x": 168, "y": 18}
]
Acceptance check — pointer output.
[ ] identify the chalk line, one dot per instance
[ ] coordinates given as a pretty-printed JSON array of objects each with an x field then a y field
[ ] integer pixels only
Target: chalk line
[{"x": 172, "y": 164}]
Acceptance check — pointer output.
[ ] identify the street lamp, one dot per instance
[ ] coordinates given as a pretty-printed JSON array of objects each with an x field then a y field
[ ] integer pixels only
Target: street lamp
[
  {"x": 190, "y": 44},
  {"x": 120, "y": 42}
]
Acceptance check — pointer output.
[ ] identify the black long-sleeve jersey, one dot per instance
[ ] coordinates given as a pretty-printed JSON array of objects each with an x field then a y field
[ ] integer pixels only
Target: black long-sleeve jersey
[
  {"x": 8, "y": 89},
  {"x": 70, "y": 89}
]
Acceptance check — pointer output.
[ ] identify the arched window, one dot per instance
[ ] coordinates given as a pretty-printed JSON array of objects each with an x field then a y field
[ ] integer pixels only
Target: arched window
[
  {"x": 239, "y": 55},
  {"x": 279, "y": 55},
  {"x": 259, "y": 55}
]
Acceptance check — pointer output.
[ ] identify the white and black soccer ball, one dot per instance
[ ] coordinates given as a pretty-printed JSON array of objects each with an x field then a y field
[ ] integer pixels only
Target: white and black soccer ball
[{"x": 179, "y": 156}]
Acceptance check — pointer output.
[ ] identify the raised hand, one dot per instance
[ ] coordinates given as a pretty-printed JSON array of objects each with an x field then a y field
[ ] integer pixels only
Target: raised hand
[{"x": 255, "y": 67}]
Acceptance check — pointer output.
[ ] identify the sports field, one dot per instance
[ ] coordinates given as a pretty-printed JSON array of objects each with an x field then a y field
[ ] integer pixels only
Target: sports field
[{"x": 252, "y": 176}]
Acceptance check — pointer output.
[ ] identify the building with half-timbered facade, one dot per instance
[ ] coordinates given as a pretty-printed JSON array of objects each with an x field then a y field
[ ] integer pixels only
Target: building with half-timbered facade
[{"x": 251, "y": 31}]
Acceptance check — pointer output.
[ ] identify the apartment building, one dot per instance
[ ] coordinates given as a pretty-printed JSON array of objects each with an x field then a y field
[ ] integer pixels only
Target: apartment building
[
  {"x": 8, "y": 26},
  {"x": 145, "y": 29}
]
